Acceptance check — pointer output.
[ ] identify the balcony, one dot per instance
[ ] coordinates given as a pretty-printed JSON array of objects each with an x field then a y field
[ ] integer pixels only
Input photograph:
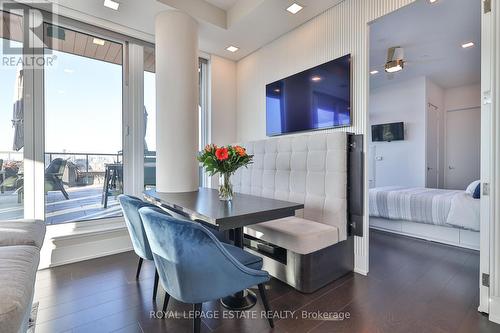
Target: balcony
[{"x": 83, "y": 179}]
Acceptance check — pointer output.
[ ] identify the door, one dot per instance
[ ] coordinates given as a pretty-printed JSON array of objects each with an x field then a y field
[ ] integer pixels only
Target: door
[
  {"x": 16, "y": 146},
  {"x": 488, "y": 301},
  {"x": 432, "y": 146},
  {"x": 463, "y": 148}
]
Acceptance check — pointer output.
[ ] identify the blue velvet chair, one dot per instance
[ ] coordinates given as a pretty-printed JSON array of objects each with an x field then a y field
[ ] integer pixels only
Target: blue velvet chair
[
  {"x": 194, "y": 266},
  {"x": 130, "y": 207}
]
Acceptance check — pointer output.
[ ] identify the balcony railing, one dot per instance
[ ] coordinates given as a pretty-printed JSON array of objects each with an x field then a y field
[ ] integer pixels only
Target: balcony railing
[{"x": 83, "y": 168}]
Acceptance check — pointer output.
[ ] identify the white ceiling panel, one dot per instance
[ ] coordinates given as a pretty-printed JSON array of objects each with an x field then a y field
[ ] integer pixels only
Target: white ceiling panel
[{"x": 431, "y": 36}]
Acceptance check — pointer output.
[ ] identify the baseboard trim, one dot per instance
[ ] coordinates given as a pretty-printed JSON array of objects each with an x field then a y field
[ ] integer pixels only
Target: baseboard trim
[
  {"x": 89, "y": 257},
  {"x": 57, "y": 251},
  {"x": 493, "y": 318},
  {"x": 494, "y": 314},
  {"x": 360, "y": 271}
]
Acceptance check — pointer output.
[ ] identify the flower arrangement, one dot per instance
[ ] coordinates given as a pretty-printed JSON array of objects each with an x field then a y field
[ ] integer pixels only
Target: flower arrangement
[{"x": 225, "y": 161}]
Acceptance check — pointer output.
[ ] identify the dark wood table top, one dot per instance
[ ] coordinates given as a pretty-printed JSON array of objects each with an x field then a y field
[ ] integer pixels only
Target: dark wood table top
[{"x": 205, "y": 205}]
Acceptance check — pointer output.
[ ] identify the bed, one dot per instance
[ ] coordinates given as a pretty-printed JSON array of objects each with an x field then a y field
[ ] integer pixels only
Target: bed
[{"x": 446, "y": 216}]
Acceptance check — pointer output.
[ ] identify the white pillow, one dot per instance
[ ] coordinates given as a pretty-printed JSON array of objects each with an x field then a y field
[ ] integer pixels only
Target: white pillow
[{"x": 472, "y": 187}]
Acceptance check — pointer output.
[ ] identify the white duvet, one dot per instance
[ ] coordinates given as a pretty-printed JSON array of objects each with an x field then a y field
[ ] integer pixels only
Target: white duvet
[{"x": 464, "y": 212}]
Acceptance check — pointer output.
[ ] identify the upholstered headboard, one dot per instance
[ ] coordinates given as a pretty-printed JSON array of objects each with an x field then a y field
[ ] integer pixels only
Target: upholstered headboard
[{"x": 309, "y": 169}]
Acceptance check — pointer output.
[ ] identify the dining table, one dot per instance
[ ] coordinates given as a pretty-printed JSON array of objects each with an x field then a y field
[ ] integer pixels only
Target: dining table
[{"x": 243, "y": 210}]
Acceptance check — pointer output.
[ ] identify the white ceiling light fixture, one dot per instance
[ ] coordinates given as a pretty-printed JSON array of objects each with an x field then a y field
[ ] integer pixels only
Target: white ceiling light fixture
[
  {"x": 374, "y": 72},
  {"x": 433, "y": 1},
  {"x": 232, "y": 48},
  {"x": 98, "y": 41},
  {"x": 467, "y": 45},
  {"x": 111, "y": 4},
  {"x": 395, "y": 62},
  {"x": 295, "y": 8}
]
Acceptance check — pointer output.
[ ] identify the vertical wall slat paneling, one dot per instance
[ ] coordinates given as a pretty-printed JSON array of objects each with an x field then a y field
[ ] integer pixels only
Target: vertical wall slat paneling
[{"x": 338, "y": 31}]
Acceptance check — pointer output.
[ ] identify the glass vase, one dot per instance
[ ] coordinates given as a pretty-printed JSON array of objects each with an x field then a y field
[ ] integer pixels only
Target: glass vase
[{"x": 225, "y": 187}]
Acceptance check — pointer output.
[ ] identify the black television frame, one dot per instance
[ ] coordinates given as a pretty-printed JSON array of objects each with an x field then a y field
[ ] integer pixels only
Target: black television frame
[
  {"x": 351, "y": 85},
  {"x": 393, "y": 123}
]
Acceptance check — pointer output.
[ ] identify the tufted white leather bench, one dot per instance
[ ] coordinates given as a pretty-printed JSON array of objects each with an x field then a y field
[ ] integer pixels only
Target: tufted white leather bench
[{"x": 308, "y": 169}]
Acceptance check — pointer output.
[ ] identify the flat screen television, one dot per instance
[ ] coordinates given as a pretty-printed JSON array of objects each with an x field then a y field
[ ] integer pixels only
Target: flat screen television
[
  {"x": 317, "y": 98},
  {"x": 388, "y": 132}
]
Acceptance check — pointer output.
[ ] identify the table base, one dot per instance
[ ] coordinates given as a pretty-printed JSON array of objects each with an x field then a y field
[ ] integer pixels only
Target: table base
[{"x": 240, "y": 301}]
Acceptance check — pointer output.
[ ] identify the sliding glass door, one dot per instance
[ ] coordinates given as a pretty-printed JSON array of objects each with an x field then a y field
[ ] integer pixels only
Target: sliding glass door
[
  {"x": 203, "y": 116},
  {"x": 11, "y": 117},
  {"x": 149, "y": 118},
  {"x": 83, "y": 126},
  {"x": 80, "y": 119}
]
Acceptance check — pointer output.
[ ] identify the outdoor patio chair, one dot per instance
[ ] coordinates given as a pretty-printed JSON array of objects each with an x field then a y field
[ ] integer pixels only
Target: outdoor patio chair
[
  {"x": 12, "y": 178},
  {"x": 53, "y": 177}
]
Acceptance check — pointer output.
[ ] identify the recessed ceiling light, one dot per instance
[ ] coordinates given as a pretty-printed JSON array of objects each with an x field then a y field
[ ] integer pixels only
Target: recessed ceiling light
[
  {"x": 294, "y": 8},
  {"x": 433, "y": 1},
  {"x": 374, "y": 72},
  {"x": 467, "y": 45},
  {"x": 98, "y": 41},
  {"x": 316, "y": 78},
  {"x": 111, "y": 4},
  {"x": 232, "y": 48}
]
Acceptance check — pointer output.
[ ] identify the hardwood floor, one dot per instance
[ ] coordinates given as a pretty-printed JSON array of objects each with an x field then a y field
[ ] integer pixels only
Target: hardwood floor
[{"x": 413, "y": 286}]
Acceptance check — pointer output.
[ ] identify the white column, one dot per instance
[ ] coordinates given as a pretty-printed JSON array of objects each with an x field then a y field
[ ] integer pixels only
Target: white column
[
  {"x": 133, "y": 118},
  {"x": 176, "y": 35}
]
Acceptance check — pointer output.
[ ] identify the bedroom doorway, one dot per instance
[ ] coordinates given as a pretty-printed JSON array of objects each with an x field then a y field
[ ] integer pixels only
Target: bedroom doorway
[{"x": 427, "y": 168}]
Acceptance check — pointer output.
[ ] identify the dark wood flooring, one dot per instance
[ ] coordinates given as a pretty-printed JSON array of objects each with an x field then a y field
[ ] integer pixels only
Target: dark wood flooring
[{"x": 413, "y": 286}]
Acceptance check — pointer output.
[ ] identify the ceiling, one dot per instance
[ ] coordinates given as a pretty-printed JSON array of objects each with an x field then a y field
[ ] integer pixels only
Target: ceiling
[
  {"x": 431, "y": 36},
  {"x": 247, "y": 24},
  {"x": 223, "y": 4}
]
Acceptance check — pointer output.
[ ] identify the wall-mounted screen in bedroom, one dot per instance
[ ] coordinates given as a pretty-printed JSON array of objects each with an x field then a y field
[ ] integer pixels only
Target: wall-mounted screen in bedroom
[
  {"x": 316, "y": 98},
  {"x": 388, "y": 132}
]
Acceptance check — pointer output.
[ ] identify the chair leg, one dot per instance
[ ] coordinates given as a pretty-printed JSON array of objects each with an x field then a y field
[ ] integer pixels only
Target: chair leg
[
  {"x": 155, "y": 288},
  {"x": 262, "y": 291},
  {"x": 139, "y": 268},
  {"x": 165, "y": 301},
  {"x": 197, "y": 317},
  {"x": 64, "y": 193}
]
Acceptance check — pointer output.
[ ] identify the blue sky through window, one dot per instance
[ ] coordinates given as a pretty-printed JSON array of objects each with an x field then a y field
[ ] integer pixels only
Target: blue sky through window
[{"x": 83, "y": 105}]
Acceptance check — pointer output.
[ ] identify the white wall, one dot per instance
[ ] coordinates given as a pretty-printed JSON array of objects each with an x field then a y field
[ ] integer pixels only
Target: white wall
[
  {"x": 223, "y": 103},
  {"x": 340, "y": 30},
  {"x": 402, "y": 162},
  {"x": 223, "y": 100},
  {"x": 405, "y": 163},
  {"x": 462, "y": 97}
]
